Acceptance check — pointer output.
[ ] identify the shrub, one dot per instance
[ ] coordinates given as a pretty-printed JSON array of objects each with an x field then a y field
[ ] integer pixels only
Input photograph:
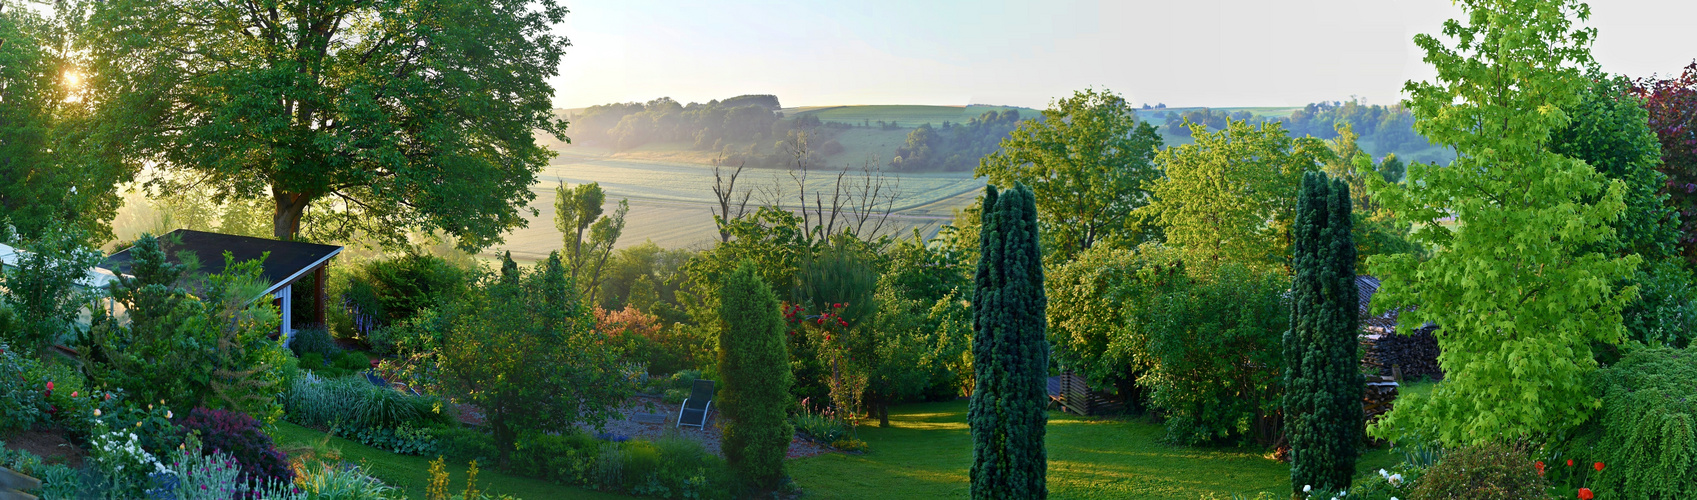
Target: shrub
[
  {"x": 566, "y": 458},
  {"x": 22, "y": 403},
  {"x": 314, "y": 340},
  {"x": 391, "y": 291},
  {"x": 1649, "y": 425},
  {"x": 755, "y": 368},
  {"x": 464, "y": 444},
  {"x": 1322, "y": 400},
  {"x": 312, "y": 361},
  {"x": 1491, "y": 471},
  {"x": 824, "y": 428},
  {"x": 239, "y": 435},
  {"x": 1182, "y": 323},
  {"x": 404, "y": 439},
  {"x": 1665, "y": 311}
]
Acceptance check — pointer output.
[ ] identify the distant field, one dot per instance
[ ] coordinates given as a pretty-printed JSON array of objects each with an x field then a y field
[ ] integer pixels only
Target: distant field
[
  {"x": 908, "y": 116},
  {"x": 670, "y": 201}
]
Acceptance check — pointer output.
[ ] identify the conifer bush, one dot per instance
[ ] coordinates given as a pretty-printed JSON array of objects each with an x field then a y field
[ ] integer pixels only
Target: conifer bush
[
  {"x": 1323, "y": 386},
  {"x": 755, "y": 366},
  {"x": 1649, "y": 421},
  {"x": 1010, "y": 352}
]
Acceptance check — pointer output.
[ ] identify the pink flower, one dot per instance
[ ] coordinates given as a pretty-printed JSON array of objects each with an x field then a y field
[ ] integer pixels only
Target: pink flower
[{"x": 50, "y": 386}]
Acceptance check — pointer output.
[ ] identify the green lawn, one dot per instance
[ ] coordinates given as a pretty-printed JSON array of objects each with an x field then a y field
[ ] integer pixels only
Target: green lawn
[
  {"x": 927, "y": 449},
  {"x": 412, "y": 473}
]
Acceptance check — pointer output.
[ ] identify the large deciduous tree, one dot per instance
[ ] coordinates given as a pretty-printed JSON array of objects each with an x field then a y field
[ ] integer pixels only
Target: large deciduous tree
[
  {"x": 1520, "y": 286},
  {"x": 1087, "y": 161},
  {"x": 43, "y": 173},
  {"x": 1322, "y": 400},
  {"x": 580, "y": 210},
  {"x": 383, "y": 116},
  {"x": 1231, "y": 195},
  {"x": 1010, "y": 352}
]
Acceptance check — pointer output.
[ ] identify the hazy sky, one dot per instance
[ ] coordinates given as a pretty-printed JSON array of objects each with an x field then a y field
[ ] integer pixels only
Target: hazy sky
[{"x": 1180, "y": 52}]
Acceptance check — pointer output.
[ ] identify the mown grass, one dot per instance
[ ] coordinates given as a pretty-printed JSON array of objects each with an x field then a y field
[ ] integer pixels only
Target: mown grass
[
  {"x": 412, "y": 474},
  {"x": 927, "y": 449}
]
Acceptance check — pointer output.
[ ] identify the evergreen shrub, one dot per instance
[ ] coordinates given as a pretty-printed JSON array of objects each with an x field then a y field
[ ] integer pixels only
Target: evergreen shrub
[
  {"x": 1649, "y": 425},
  {"x": 1491, "y": 471}
]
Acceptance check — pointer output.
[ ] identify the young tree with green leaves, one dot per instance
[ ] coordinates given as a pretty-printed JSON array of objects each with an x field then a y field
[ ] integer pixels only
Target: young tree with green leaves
[
  {"x": 42, "y": 293},
  {"x": 1230, "y": 196},
  {"x": 1323, "y": 386},
  {"x": 1010, "y": 352},
  {"x": 1521, "y": 287},
  {"x": 755, "y": 398},
  {"x": 385, "y": 117},
  {"x": 520, "y": 347},
  {"x": 1088, "y": 161}
]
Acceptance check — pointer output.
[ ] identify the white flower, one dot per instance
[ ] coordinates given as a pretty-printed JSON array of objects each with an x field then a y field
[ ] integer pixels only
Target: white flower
[
  {"x": 1307, "y": 488},
  {"x": 1396, "y": 479},
  {"x": 1384, "y": 474},
  {"x": 96, "y": 412}
]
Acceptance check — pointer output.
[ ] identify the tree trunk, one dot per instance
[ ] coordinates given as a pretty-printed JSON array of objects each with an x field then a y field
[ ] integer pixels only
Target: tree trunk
[{"x": 286, "y": 219}]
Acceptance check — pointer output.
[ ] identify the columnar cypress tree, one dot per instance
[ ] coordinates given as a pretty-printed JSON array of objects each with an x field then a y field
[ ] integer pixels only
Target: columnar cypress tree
[
  {"x": 756, "y": 371},
  {"x": 1322, "y": 403},
  {"x": 1010, "y": 352}
]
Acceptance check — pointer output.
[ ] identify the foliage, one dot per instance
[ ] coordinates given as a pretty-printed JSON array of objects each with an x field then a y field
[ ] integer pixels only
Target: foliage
[
  {"x": 823, "y": 426},
  {"x": 49, "y": 181},
  {"x": 341, "y": 482},
  {"x": 1230, "y": 196},
  {"x": 1089, "y": 162},
  {"x": 315, "y": 341},
  {"x": 1322, "y": 376},
  {"x": 1010, "y": 351},
  {"x": 1520, "y": 288},
  {"x": 1212, "y": 347},
  {"x": 1387, "y": 484},
  {"x": 383, "y": 126},
  {"x": 954, "y": 147},
  {"x": 190, "y": 340},
  {"x": 1609, "y": 129},
  {"x": 118, "y": 457},
  {"x": 1490, "y": 471},
  {"x": 772, "y": 238},
  {"x": 1086, "y": 299},
  {"x": 1665, "y": 311},
  {"x": 757, "y": 379},
  {"x": 579, "y": 210},
  {"x": 661, "y": 349},
  {"x": 522, "y": 349},
  {"x": 708, "y": 125},
  {"x": 646, "y": 277},
  {"x": 1649, "y": 421},
  {"x": 1672, "y": 106},
  {"x": 1387, "y": 127},
  {"x": 42, "y": 292},
  {"x": 22, "y": 404},
  {"x": 243, "y": 438},
  {"x": 395, "y": 290}
]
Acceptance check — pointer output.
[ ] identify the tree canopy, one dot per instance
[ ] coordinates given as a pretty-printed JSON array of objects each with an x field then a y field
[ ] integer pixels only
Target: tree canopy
[
  {"x": 1519, "y": 289},
  {"x": 1087, "y": 161},
  {"x": 383, "y": 116}
]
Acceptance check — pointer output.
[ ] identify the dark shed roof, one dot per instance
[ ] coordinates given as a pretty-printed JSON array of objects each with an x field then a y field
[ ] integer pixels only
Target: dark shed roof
[{"x": 287, "y": 261}]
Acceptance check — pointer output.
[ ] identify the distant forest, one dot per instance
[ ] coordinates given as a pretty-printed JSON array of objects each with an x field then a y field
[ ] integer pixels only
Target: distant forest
[{"x": 751, "y": 130}]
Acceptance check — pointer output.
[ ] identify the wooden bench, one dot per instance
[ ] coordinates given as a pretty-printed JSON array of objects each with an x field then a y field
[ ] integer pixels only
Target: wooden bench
[{"x": 13, "y": 485}]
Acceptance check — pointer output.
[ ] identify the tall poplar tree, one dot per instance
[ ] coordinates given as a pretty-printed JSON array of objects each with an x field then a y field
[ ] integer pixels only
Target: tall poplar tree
[
  {"x": 1010, "y": 352},
  {"x": 1322, "y": 400},
  {"x": 1521, "y": 285}
]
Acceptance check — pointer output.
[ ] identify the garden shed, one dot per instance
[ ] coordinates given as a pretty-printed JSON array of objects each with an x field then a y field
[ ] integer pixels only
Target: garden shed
[{"x": 284, "y": 264}]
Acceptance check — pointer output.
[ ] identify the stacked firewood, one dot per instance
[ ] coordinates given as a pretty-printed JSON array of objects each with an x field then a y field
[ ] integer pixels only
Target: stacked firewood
[{"x": 1404, "y": 356}]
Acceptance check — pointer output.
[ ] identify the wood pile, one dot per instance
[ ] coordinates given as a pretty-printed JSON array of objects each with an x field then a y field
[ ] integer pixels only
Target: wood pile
[{"x": 1402, "y": 356}]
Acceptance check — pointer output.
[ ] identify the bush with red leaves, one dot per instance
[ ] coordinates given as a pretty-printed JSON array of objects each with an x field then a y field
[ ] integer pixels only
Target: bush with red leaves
[{"x": 240, "y": 435}]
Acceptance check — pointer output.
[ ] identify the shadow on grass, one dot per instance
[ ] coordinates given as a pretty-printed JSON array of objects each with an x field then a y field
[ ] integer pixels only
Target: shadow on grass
[{"x": 927, "y": 449}]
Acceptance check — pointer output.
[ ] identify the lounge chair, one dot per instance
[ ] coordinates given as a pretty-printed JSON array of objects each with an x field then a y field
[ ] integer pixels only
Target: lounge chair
[{"x": 694, "y": 411}]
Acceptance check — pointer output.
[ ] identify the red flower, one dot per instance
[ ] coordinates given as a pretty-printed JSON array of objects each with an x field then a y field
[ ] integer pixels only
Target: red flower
[
  {"x": 1570, "y": 462},
  {"x": 1540, "y": 466},
  {"x": 1599, "y": 466},
  {"x": 841, "y": 322},
  {"x": 1585, "y": 494},
  {"x": 73, "y": 394},
  {"x": 50, "y": 386},
  {"x": 821, "y": 320}
]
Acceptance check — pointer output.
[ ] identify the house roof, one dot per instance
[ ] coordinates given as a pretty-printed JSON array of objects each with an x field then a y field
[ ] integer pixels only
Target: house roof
[
  {"x": 95, "y": 278},
  {"x": 285, "y": 261},
  {"x": 1366, "y": 286}
]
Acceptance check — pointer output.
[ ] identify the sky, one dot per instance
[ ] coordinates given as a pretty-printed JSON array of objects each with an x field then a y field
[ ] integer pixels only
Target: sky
[{"x": 1218, "y": 53}]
